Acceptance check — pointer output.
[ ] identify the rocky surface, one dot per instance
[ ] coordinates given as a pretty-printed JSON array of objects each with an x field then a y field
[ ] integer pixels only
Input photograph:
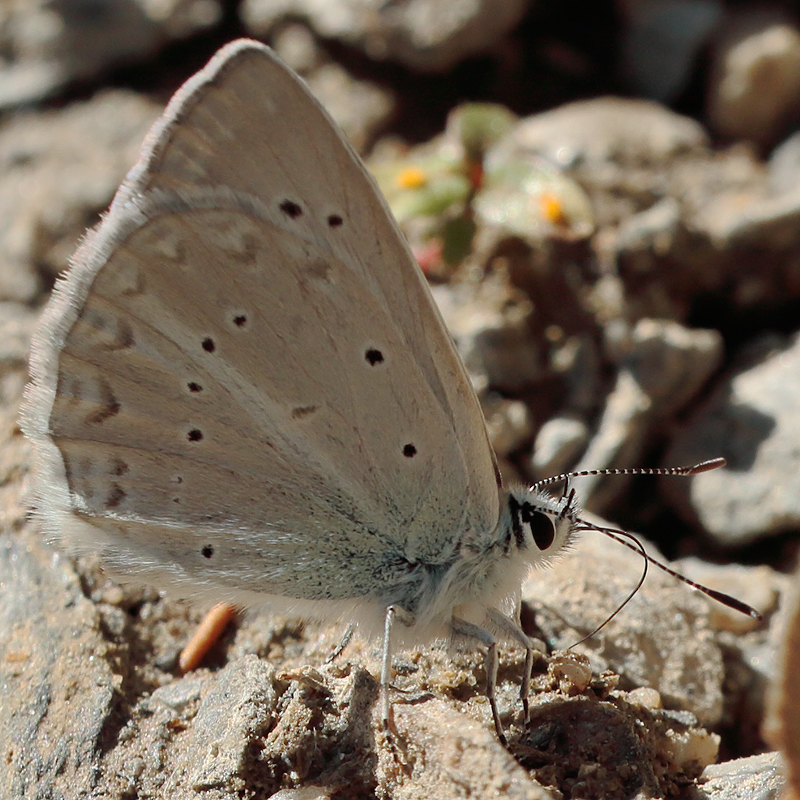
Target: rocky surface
[
  {"x": 625, "y": 292},
  {"x": 421, "y": 34},
  {"x": 47, "y": 45}
]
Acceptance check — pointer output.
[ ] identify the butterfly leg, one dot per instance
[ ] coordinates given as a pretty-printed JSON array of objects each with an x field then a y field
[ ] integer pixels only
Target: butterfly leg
[
  {"x": 513, "y": 631},
  {"x": 525, "y": 688},
  {"x": 392, "y": 613},
  {"x": 386, "y": 668},
  {"x": 466, "y": 629},
  {"x": 339, "y": 649}
]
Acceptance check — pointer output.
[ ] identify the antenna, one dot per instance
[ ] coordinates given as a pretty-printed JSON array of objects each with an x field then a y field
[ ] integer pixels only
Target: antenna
[
  {"x": 696, "y": 469},
  {"x": 632, "y": 543}
]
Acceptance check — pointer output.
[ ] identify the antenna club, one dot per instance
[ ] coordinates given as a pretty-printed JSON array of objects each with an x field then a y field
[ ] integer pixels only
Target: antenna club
[{"x": 707, "y": 466}]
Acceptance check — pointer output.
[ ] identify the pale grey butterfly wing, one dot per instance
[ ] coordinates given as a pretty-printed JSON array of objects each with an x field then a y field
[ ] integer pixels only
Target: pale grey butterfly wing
[{"x": 243, "y": 385}]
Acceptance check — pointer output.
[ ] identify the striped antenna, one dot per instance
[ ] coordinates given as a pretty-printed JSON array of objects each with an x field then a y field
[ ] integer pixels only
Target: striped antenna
[{"x": 632, "y": 543}]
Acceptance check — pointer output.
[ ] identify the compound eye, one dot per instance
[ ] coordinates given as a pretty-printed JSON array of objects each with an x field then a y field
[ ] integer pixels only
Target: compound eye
[{"x": 543, "y": 530}]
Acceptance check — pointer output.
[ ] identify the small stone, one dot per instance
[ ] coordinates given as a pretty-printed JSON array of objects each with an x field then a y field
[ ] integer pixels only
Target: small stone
[
  {"x": 558, "y": 444},
  {"x": 572, "y": 672},
  {"x": 755, "y": 85},
  {"x": 646, "y": 697},
  {"x": 693, "y": 747},
  {"x": 754, "y": 777},
  {"x": 609, "y": 129},
  {"x": 177, "y": 695}
]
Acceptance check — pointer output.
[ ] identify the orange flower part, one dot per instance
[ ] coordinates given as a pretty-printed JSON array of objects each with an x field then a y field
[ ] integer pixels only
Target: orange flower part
[
  {"x": 553, "y": 209},
  {"x": 412, "y": 178}
]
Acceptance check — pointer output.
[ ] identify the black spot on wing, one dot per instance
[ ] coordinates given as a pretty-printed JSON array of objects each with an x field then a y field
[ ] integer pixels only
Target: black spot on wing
[
  {"x": 109, "y": 405},
  {"x": 299, "y": 412},
  {"x": 373, "y": 357},
  {"x": 115, "y": 496},
  {"x": 119, "y": 467},
  {"x": 291, "y": 209}
]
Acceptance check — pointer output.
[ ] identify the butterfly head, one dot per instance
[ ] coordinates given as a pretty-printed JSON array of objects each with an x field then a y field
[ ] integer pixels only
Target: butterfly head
[
  {"x": 538, "y": 525},
  {"x": 543, "y": 526}
]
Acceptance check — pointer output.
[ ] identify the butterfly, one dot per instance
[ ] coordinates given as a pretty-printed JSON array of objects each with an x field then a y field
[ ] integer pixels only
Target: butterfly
[{"x": 243, "y": 389}]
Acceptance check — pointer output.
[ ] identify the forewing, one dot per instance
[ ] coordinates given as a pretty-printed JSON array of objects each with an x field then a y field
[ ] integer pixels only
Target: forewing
[{"x": 244, "y": 380}]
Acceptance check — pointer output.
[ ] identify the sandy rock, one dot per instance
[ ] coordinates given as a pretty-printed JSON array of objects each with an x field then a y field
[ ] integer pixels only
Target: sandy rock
[
  {"x": 427, "y": 35},
  {"x": 754, "y": 777},
  {"x": 509, "y": 423},
  {"x": 492, "y": 328},
  {"x": 17, "y": 324},
  {"x": 558, "y": 444},
  {"x": 55, "y": 43},
  {"x": 662, "y": 367},
  {"x": 60, "y": 170},
  {"x": 784, "y": 166},
  {"x": 665, "y": 620},
  {"x": 752, "y": 421},
  {"x": 608, "y": 129},
  {"x": 58, "y": 688},
  {"x": 607, "y": 747},
  {"x": 232, "y": 717},
  {"x": 448, "y": 755},
  {"x": 782, "y": 723},
  {"x": 755, "y": 85}
]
